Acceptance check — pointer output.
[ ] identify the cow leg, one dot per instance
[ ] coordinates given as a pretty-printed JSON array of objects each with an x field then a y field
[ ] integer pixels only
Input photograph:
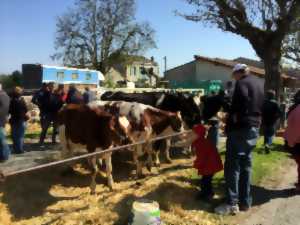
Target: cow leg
[
  {"x": 137, "y": 153},
  {"x": 66, "y": 151},
  {"x": 167, "y": 151},
  {"x": 156, "y": 157},
  {"x": 108, "y": 166},
  {"x": 93, "y": 161},
  {"x": 148, "y": 150},
  {"x": 100, "y": 163},
  {"x": 188, "y": 151}
]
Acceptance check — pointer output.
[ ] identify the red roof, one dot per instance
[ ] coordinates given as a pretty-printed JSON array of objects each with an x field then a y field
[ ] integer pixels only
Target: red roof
[{"x": 230, "y": 64}]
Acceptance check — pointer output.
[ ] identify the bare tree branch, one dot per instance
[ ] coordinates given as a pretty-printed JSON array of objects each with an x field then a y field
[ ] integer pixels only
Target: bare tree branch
[
  {"x": 264, "y": 23},
  {"x": 94, "y": 31}
]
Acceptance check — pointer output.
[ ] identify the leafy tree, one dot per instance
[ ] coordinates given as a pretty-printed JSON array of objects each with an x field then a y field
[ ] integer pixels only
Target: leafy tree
[
  {"x": 291, "y": 47},
  {"x": 98, "y": 33},
  {"x": 11, "y": 80},
  {"x": 264, "y": 23},
  {"x": 108, "y": 83},
  {"x": 17, "y": 78}
]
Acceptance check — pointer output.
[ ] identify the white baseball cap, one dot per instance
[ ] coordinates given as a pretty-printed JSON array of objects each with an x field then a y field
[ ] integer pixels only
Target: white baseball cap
[{"x": 239, "y": 67}]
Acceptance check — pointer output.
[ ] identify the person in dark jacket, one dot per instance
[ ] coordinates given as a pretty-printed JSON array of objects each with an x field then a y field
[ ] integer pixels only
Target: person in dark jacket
[
  {"x": 38, "y": 97},
  {"x": 87, "y": 96},
  {"x": 270, "y": 117},
  {"x": 242, "y": 129},
  {"x": 283, "y": 112},
  {"x": 18, "y": 117},
  {"x": 52, "y": 102},
  {"x": 74, "y": 96},
  {"x": 4, "y": 108}
]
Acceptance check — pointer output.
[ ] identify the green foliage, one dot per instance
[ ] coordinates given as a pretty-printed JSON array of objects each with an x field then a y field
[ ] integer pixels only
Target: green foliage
[
  {"x": 11, "y": 80},
  {"x": 108, "y": 83}
]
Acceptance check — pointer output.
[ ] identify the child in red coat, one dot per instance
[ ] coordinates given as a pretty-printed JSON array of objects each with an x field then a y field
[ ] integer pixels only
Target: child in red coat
[{"x": 208, "y": 161}]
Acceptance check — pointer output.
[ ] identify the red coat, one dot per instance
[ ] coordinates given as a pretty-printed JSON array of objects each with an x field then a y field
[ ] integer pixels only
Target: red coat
[{"x": 208, "y": 160}]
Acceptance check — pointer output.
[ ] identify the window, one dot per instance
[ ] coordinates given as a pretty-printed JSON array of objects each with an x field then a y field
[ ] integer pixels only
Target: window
[
  {"x": 88, "y": 76},
  {"x": 131, "y": 71},
  {"x": 134, "y": 71},
  {"x": 74, "y": 76},
  {"x": 60, "y": 75}
]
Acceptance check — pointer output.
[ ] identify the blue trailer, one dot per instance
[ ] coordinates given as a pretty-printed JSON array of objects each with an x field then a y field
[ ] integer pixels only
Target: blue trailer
[{"x": 36, "y": 74}]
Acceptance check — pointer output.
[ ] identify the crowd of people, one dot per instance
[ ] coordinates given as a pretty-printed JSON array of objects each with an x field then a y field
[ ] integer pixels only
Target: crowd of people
[
  {"x": 49, "y": 100},
  {"x": 249, "y": 112},
  {"x": 248, "y": 108}
]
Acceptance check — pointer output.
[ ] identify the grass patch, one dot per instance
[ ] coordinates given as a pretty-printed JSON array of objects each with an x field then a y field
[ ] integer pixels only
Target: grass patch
[
  {"x": 32, "y": 134},
  {"x": 263, "y": 165}
]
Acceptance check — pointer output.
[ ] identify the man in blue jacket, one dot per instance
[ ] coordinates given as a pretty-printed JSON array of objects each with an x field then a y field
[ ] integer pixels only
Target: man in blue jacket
[{"x": 242, "y": 129}]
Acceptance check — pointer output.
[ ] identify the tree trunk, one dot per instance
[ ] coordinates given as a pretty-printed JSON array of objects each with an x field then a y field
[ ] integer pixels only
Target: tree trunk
[{"x": 273, "y": 80}]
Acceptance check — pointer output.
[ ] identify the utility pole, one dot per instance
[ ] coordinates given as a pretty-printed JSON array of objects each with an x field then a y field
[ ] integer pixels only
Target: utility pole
[{"x": 165, "y": 63}]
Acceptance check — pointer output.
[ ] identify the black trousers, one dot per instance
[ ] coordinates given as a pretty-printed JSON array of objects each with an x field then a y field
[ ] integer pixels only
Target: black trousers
[{"x": 206, "y": 184}]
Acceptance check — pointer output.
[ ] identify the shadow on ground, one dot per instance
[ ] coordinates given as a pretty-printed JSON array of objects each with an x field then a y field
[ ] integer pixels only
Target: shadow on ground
[
  {"x": 263, "y": 195},
  {"x": 168, "y": 195},
  {"x": 28, "y": 195}
]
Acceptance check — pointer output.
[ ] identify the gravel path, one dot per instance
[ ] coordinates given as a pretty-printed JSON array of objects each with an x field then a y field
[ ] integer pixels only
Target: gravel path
[
  {"x": 34, "y": 156},
  {"x": 275, "y": 203}
]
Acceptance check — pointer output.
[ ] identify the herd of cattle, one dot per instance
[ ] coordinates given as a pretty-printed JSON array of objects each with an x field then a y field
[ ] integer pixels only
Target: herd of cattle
[{"x": 121, "y": 118}]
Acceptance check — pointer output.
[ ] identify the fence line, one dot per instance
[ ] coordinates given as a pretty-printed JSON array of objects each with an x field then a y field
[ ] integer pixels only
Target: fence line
[{"x": 88, "y": 155}]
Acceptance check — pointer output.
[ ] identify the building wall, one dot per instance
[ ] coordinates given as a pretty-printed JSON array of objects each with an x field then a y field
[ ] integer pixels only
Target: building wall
[
  {"x": 210, "y": 71},
  {"x": 192, "y": 74},
  {"x": 182, "y": 76},
  {"x": 133, "y": 71},
  {"x": 114, "y": 75}
]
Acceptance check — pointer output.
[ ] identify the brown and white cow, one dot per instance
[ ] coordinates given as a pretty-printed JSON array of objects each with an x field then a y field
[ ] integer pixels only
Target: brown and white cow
[
  {"x": 143, "y": 122},
  {"x": 90, "y": 128}
]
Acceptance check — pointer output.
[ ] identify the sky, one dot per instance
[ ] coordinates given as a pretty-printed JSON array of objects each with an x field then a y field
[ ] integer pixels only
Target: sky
[{"x": 27, "y": 33}]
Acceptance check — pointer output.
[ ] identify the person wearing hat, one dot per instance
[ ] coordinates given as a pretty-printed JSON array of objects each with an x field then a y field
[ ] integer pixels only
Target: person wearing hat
[
  {"x": 18, "y": 117},
  {"x": 4, "y": 107},
  {"x": 242, "y": 129}
]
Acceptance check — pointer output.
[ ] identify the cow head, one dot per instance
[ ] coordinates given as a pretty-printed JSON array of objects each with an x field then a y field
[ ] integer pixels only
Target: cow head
[
  {"x": 176, "y": 122},
  {"x": 190, "y": 110},
  {"x": 118, "y": 130}
]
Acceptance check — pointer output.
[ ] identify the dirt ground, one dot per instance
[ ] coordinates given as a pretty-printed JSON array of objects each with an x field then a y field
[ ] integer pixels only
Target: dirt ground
[
  {"x": 275, "y": 201},
  {"x": 48, "y": 197}
]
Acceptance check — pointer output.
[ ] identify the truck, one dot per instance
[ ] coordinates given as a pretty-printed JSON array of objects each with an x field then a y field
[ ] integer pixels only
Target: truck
[{"x": 36, "y": 74}]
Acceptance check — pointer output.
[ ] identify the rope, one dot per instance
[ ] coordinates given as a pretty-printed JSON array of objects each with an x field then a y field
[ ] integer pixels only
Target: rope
[{"x": 88, "y": 155}]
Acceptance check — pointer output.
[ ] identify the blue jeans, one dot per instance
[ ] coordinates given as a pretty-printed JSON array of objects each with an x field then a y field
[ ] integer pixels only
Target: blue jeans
[
  {"x": 238, "y": 165},
  {"x": 4, "y": 149},
  {"x": 269, "y": 133},
  {"x": 17, "y": 133}
]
